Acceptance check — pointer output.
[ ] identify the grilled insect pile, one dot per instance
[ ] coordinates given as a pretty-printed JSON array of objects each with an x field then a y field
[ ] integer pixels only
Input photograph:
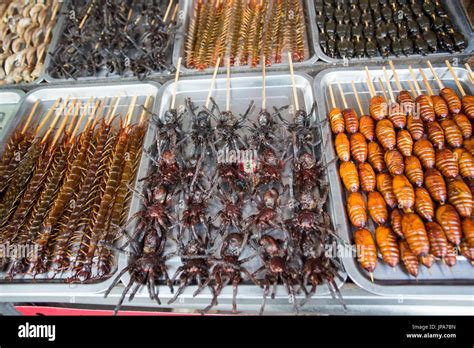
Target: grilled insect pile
[
  {"x": 109, "y": 38},
  {"x": 362, "y": 28},
  {"x": 244, "y": 30},
  {"x": 65, "y": 190},
  {"x": 410, "y": 196},
  {"x": 240, "y": 199},
  {"x": 25, "y": 34}
]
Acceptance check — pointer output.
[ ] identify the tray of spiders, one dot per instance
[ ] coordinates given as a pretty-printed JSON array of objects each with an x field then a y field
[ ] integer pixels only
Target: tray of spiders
[
  {"x": 232, "y": 198},
  {"x": 10, "y": 101},
  {"x": 363, "y": 30},
  {"x": 26, "y": 30},
  {"x": 103, "y": 39},
  {"x": 245, "y": 30},
  {"x": 405, "y": 175},
  {"x": 66, "y": 164}
]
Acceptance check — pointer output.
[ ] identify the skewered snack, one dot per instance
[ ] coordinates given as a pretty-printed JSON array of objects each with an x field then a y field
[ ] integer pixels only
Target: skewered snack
[
  {"x": 436, "y": 134},
  {"x": 437, "y": 238},
  {"x": 351, "y": 120},
  {"x": 423, "y": 149},
  {"x": 378, "y": 108},
  {"x": 466, "y": 251},
  {"x": 435, "y": 184},
  {"x": 451, "y": 256},
  {"x": 415, "y": 234},
  {"x": 423, "y": 204},
  {"x": 404, "y": 142},
  {"x": 447, "y": 163},
  {"x": 357, "y": 209},
  {"x": 337, "y": 121},
  {"x": 387, "y": 243},
  {"x": 377, "y": 208},
  {"x": 367, "y": 177},
  {"x": 449, "y": 220},
  {"x": 350, "y": 177},
  {"x": 367, "y": 253},
  {"x": 464, "y": 125},
  {"x": 386, "y": 134},
  {"x": 367, "y": 127},
  {"x": 468, "y": 106},
  {"x": 394, "y": 162},
  {"x": 375, "y": 156},
  {"x": 359, "y": 149},
  {"x": 414, "y": 170},
  {"x": 385, "y": 187},
  {"x": 452, "y": 133},
  {"x": 396, "y": 222},
  {"x": 465, "y": 162},
  {"x": 409, "y": 258},
  {"x": 460, "y": 196},
  {"x": 343, "y": 147},
  {"x": 415, "y": 127},
  {"x": 425, "y": 107},
  {"x": 404, "y": 192},
  {"x": 468, "y": 232},
  {"x": 120, "y": 39},
  {"x": 469, "y": 145},
  {"x": 26, "y": 32}
]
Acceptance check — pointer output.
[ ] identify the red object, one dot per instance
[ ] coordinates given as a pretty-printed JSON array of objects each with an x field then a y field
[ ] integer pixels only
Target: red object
[{"x": 57, "y": 311}]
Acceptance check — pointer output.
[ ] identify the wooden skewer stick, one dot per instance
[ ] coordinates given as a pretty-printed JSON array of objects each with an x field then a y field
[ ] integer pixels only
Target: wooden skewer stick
[
  {"x": 175, "y": 12},
  {"x": 167, "y": 11},
  {"x": 395, "y": 75},
  {"x": 78, "y": 124},
  {"x": 74, "y": 117},
  {"x": 438, "y": 81},
  {"x": 426, "y": 82},
  {"x": 331, "y": 93},
  {"x": 470, "y": 73},
  {"x": 371, "y": 277},
  {"x": 227, "y": 97},
  {"x": 113, "y": 111},
  {"x": 413, "y": 76},
  {"x": 55, "y": 120},
  {"x": 390, "y": 91},
  {"x": 412, "y": 88},
  {"x": 361, "y": 110},
  {"x": 145, "y": 111},
  {"x": 87, "y": 14},
  {"x": 293, "y": 82},
  {"x": 213, "y": 81},
  {"x": 59, "y": 132},
  {"x": 131, "y": 111},
  {"x": 383, "y": 90},
  {"x": 175, "y": 86},
  {"x": 369, "y": 83},
  {"x": 48, "y": 115},
  {"x": 28, "y": 120},
  {"x": 342, "y": 96},
  {"x": 264, "y": 86},
  {"x": 92, "y": 118},
  {"x": 455, "y": 77}
]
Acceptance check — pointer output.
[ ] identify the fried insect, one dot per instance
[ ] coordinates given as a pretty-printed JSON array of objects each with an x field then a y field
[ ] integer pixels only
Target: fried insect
[
  {"x": 466, "y": 251},
  {"x": 367, "y": 177},
  {"x": 415, "y": 234},
  {"x": 409, "y": 258},
  {"x": 359, "y": 149},
  {"x": 351, "y": 120},
  {"x": 465, "y": 162},
  {"x": 437, "y": 238},
  {"x": 404, "y": 142},
  {"x": 375, "y": 156},
  {"x": 436, "y": 134},
  {"x": 440, "y": 107},
  {"x": 357, "y": 209},
  {"x": 464, "y": 124},
  {"x": 397, "y": 116},
  {"x": 394, "y": 161},
  {"x": 404, "y": 192},
  {"x": 448, "y": 218},
  {"x": 396, "y": 222},
  {"x": 424, "y": 204},
  {"x": 468, "y": 106},
  {"x": 435, "y": 184},
  {"x": 386, "y": 134},
  {"x": 451, "y": 256},
  {"x": 447, "y": 163},
  {"x": 377, "y": 208},
  {"x": 378, "y": 108},
  {"x": 367, "y": 127},
  {"x": 406, "y": 101},
  {"x": 366, "y": 250},
  {"x": 460, "y": 196},
  {"x": 415, "y": 127},
  {"x": 337, "y": 121},
  {"x": 425, "y": 107},
  {"x": 423, "y": 149},
  {"x": 343, "y": 147},
  {"x": 468, "y": 232},
  {"x": 387, "y": 243},
  {"x": 349, "y": 175},
  {"x": 428, "y": 260},
  {"x": 452, "y": 99},
  {"x": 385, "y": 187},
  {"x": 414, "y": 170},
  {"x": 452, "y": 133}
]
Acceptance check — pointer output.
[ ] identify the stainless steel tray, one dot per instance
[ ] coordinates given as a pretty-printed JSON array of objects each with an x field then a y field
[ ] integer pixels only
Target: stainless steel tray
[
  {"x": 102, "y": 76},
  {"x": 185, "y": 14},
  {"x": 244, "y": 87},
  {"x": 453, "y": 9},
  {"x": 54, "y": 36},
  {"x": 439, "y": 280},
  {"x": 10, "y": 102},
  {"x": 47, "y": 95}
]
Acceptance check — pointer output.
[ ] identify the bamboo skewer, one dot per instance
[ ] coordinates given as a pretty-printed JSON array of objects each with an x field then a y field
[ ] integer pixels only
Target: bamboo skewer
[
  {"x": 370, "y": 84},
  {"x": 112, "y": 111},
  {"x": 76, "y": 114},
  {"x": 383, "y": 90},
  {"x": 146, "y": 106},
  {"x": 84, "y": 19},
  {"x": 32, "y": 112},
  {"x": 213, "y": 81},
  {"x": 331, "y": 93},
  {"x": 130, "y": 112},
  {"x": 61, "y": 128},
  {"x": 433, "y": 72},
  {"x": 359, "y": 104},
  {"x": 412, "y": 88},
  {"x": 227, "y": 97},
  {"x": 175, "y": 86},
  {"x": 55, "y": 120},
  {"x": 470, "y": 73},
  {"x": 395, "y": 75},
  {"x": 167, "y": 11},
  {"x": 413, "y": 76},
  {"x": 293, "y": 82},
  {"x": 344, "y": 102},
  {"x": 390, "y": 91},
  {"x": 456, "y": 80},
  {"x": 426, "y": 82},
  {"x": 48, "y": 115},
  {"x": 81, "y": 119}
]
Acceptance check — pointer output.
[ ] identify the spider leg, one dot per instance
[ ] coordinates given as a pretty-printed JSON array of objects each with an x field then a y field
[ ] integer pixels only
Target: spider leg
[
  {"x": 134, "y": 292},
  {"x": 182, "y": 285},
  {"x": 235, "y": 284},
  {"x": 124, "y": 293},
  {"x": 116, "y": 280},
  {"x": 266, "y": 290}
]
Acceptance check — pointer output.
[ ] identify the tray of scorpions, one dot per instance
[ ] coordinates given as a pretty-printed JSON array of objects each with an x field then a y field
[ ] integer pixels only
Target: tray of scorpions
[
  {"x": 245, "y": 31},
  {"x": 66, "y": 165},
  {"x": 232, "y": 198},
  {"x": 363, "y": 30},
  {"x": 404, "y": 175}
]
